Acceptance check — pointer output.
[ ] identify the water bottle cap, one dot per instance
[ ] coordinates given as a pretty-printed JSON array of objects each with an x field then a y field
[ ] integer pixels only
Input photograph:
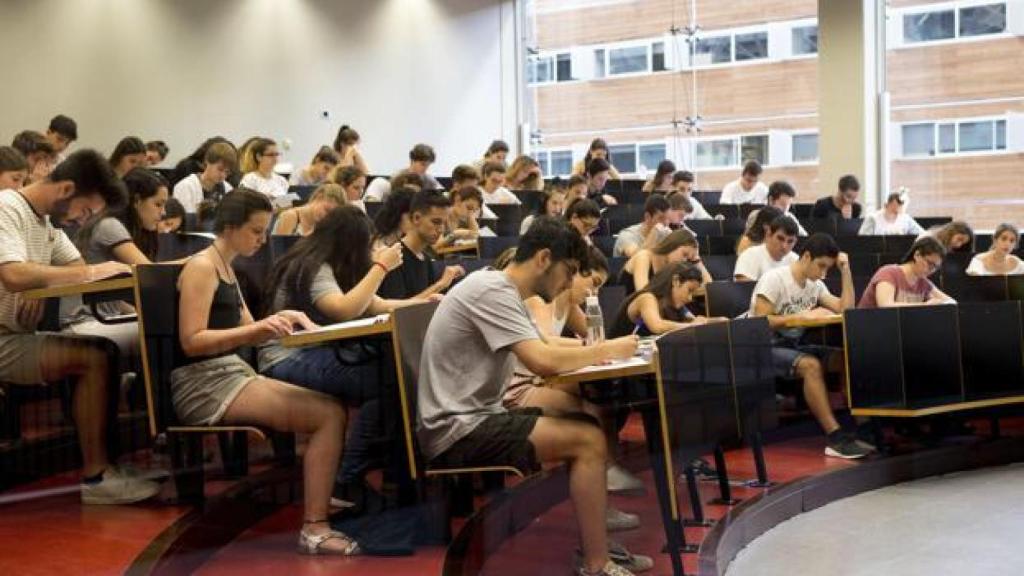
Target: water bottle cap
[{"x": 592, "y": 301}]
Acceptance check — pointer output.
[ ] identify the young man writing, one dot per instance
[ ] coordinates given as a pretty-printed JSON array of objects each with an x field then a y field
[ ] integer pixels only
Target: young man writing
[
  {"x": 775, "y": 252},
  {"x": 415, "y": 278},
  {"x": 747, "y": 189},
  {"x": 780, "y": 195},
  {"x": 633, "y": 238},
  {"x": 420, "y": 158},
  {"x": 682, "y": 181}
]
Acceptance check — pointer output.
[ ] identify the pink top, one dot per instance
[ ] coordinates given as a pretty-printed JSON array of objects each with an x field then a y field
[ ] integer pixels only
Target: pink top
[{"x": 905, "y": 291}]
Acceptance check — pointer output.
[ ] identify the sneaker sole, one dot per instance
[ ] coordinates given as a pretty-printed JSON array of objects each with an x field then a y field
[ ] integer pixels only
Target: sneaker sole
[
  {"x": 836, "y": 454},
  {"x": 621, "y": 527},
  {"x": 96, "y": 501}
]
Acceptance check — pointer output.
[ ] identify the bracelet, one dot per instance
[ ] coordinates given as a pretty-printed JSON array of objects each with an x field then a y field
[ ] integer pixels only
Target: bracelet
[{"x": 382, "y": 267}]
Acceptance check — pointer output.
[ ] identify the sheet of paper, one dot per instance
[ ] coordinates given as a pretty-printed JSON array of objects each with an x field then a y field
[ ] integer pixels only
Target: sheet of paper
[
  {"x": 360, "y": 323},
  {"x": 635, "y": 361}
]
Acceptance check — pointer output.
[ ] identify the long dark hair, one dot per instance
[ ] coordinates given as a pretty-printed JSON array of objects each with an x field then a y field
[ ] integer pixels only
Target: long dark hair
[
  {"x": 596, "y": 144},
  {"x": 346, "y": 137},
  {"x": 765, "y": 216},
  {"x": 661, "y": 287},
  {"x": 341, "y": 240},
  {"x": 141, "y": 183},
  {"x": 127, "y": 146},
  {"x": 389, "y": 219}
]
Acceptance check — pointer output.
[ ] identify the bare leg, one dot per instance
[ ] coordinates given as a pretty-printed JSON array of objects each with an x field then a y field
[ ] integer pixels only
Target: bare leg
[
  {"x": 555, "y": 401},
  {"x": 581, "y": 446},
  {"x": 815, "y": 392}
]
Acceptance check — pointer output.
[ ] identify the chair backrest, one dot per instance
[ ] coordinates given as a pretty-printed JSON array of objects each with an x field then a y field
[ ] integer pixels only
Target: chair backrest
[
  {"x": 156, "y": 303},
  {"x": 531, "y": 200},
  {"x": 728, "y": 298},
  {"x": 492, "y": 247},
  {"x": 303, "y": 192},
  {"x": 280, "y": 245},
  {"x": 606, "y": 244},
  {"x": 734, "y": 226},
  {"x": 409, "y": 328},
  {"x": 705, "y": 227},
  {"x": 898, "y": 244},
  {"x": 719, "y": 244},
  {"x": 706, "y": 197},
  {"x": 982, "y": 242},
  {"x": 720, "y": 266},
  {"x": 724, "y": 210},
  {"x": 801, "y": 211},
  {"x": 611, "y": 298},
  {"x": 848, "y": 227},
  {"x": 927, "y": 222},
  {"x": 178, "y": 246}
]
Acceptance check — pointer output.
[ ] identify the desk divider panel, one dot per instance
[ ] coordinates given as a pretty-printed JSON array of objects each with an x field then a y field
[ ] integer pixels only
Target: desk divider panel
[
  {"x": 861, "y": 244},
  {"x": 898, "y": 244},
  {"x": 963, "y": 288},
  {"x": 873, "y": 358},
  {"x": 728, "y": 298},
  {"x": 753, "y": 374},
  {"x": 930, "y": 340},
  {"x": 990, "y": 346},
  {"x": 1015, "y": 288}
]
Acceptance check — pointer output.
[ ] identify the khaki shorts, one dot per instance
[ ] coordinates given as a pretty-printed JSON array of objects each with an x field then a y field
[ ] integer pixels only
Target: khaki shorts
[
  {"x": 202, "y": 392},
  {"x": 20, "y": 356}
]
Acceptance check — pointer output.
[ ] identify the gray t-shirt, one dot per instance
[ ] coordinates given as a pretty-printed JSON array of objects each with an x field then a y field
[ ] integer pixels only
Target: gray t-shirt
[
  {"x": 628, "y": 236},
  {"x": 106, "y": 235},
  {"x": 467, "y": 358},
  {"x": 324, "y": 284}
]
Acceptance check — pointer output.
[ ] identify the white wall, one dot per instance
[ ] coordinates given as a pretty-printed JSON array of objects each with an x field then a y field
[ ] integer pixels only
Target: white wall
[{"x": 399, "y": 71}]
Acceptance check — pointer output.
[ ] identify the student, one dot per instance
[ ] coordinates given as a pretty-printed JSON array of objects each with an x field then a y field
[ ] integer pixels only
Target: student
[
  {"x": 492, "y": 185},
  {"x": 758, "y": 229},
  {"x": 346, "y": 144},
  {"x": 956, "y": 236},
  {"x": 353, "y": 181},
  {"x": 461, "y": 223},
  {"x": 598, "y": 150},
  {"x": 552, "y": 204},
  {"x": 13, "y": 168},
  {"x": 797, "y": 291},
  {"x": 747, "y": 189},
  {"x": 38, "y": 152},
  {"x": 679, "y": 209},
  {"x": 318, "y": 170},
  {"x": 302, "y": 220},
  {"x": 999, "y": 260},
  {"x": 213, "y": 385},
  {"x": 496, "y": 152},
  {"x": 679, "y": 246},
  {"x": 126, "y": 234},
  {"x": 462, "y": 421},
  {"x": 891, "y": 220},
  {"x": 129, "y": 153},
  {"x": 258, "y": 162},
  {"x": 575, "y": 187},
  {"x": 420, "y": 158},
  {"x": 156, "y": 153},
  {"x": 173, "y": 219},
  {"x": 907, "y": 284},
  {"x": 415, "y": 278},
  {"x": 662, "y": 180},
  {"x": 597, "y": 174},
  {"x": 584, "y": 216},
  {"x": 843, "y": 204},
  {"x": 36, "y": 254},
  {"x": 524, "y": 174},
  {"x": 775, "y": 252},
  {"x": 392, "y": 221},
  {"x": 210, "y": 185},
  {"x": 682, "y": 182},
  {"x": 631, "y": 239},
  {"x": 195, "y": 162},
  {"x": 661, "y": 306},
  {"x": 780, "y": 195},
  {"x": 61, "y": 133},
  {"x": 465, "y": 175}
]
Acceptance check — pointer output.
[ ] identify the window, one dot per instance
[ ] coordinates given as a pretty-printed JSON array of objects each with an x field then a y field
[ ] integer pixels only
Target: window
[
  {"x": 658, "y": 57},
  {"x": 561, "y": 162},
  {"x": 928, "y": 26},
  {"x": 715, "y": 153},
  {"x": 651, "y": 155},
  {"x": 599, "y": 65},
  {"x": 752, "y": 46},
  {"x": 805, "y": 40},
  {"x": 976, "y": 136},
  {"x": 623, "y": 157},
  {"x": 563, "y": 67},
  {"x": 923, "y": 139},
  {"x": 542, "y": 161},
  {"x": 627, "y": 60},
  {"x": 1000, "y": 134},
  {"x": 919, "y": 140},
  {"x": 947, "y": 138},
  {"x": 755, "y": 148},
  {"x": 981, "y": 20},
  {"x": 714, "y": 50},
  {"x": 805, "y": 148},
  {"x": 539, "y": 70}
]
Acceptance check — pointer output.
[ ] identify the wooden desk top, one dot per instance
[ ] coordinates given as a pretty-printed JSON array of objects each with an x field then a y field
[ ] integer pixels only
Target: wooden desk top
[
  {"x": 124, "y": 283},
  {"x": 345, "y": 330},
  {"x": 834, "y": 319},
  {"x": 940, "y": 409},
  {"x": 635, "y": 366},
  {"x": 456, "y": 248}
]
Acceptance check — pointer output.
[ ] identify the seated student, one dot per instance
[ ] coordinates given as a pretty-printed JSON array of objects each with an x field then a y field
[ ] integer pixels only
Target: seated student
[
  {"x": 346, "y": 144},
  {"x": 843, "y": 204},
  {"x": 196, "y": 161},
  {"x": 575, "y": 187},
  {"x": 13, "y": 168},
  {"x": 797, "y": 291},
  {"x": 757, "y": 229},
  {"x": 774, "y": 252},
  {"x": 780, "y": 195},
  {"x": 301, "y": 221},
  {"x": 661, "y": 306},
  {"x": 662, "y": 180},
  {"x": 353, "y": 181},
  {"x": 378, "y": 191},
  {"x": 907, "y": 284},
  {"x": 956, "y": 236},
  {"x": 598, "y": 150},
  {"x": 891, "y": 220},
  {"x": 130, "y": 153},
  {"x": 461, "y": 420},
  {"x": 156, "y": 153},
  {"x": 492, "y": 185},
  {"x": 637, "y": 236},
  {"x": 61, "y": 133},
  {"x": 553, "y": 204},
  {"x": 173, "y": 219},
  {"x": 36, "y": 254},
  {"x": 747, "y": 189},
  {"x": 258, "y": 162},
  {"x": 392, "y": 221},
  {"x": 496, "y": 152},
  {"x": 585, "y": 217},
  {"x": 38, "y": 152},
  {"x": 126, "y": 234},
  {"x": 524, "y": 174},
  {"x": 319, "y": 168},
  {"x": 213, "y": 385},
  {"x": 207, "y": 188},
  {"x": 679, "y": 246},
  {"x": 461, "y": 223},
  {"x": 597, "y": 174},
  {"x": 682, "y": 183},
  {"x": 415, "y": 277},
  {"x": 679, "y": 209},
  {"x": 464, "y": 175},
  {"x": 420, "y": 158},
  {"x": 999, "y": 260}
]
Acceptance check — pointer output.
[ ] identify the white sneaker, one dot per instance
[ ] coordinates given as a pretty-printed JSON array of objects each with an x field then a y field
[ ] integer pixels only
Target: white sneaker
[
  {"x": 116, "y": 487},
  {"x": 616, "y": 520},
  {"x": 621, "y": 481}
]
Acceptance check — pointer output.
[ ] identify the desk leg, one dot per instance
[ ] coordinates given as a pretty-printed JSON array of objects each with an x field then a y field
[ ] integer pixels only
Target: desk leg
[
  {"x": 698, "y": 520},
  {"x": 725, "y": 490},
  {"x": 674, "y": 537}
]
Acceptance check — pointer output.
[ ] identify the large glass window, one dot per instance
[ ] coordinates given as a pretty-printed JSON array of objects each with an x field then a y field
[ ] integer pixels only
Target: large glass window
[
  {"x": 712, "y": 51},
  {"x": 979, "y": 20},
  {"x": 751, "y": 46},
  {"x": 561, "y": 162},
  {"x": 563, "y": 67},
  {"x": 651, "y": 155},
  {"x": 927, "y": 26},
  {"x": 627, "y": 60},
  {"x": 805, "y": 148},
  {"x": 715, "y": 154},
  {"x": 755, "y": 148},
  {"x": 805, "y": 40},
  {"x": 919, "y": 140},
  {"x": 623, "y": 157}
]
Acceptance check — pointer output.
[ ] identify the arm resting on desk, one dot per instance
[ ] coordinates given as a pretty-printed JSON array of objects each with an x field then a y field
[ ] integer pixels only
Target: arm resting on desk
[
  {"x": 342, "y": 307},
  {"x": 545, "y": 360},
  {"x": 21, "y": 276}
]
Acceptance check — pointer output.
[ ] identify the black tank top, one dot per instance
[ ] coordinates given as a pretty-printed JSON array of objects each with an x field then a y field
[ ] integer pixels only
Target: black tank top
[
  {"x": 626, "y": 279},
  {"x": 225, "y": 313}
]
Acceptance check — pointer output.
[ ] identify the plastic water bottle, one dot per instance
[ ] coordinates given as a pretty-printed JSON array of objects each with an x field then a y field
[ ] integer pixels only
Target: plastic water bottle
[{"x": 595, "y": 321}]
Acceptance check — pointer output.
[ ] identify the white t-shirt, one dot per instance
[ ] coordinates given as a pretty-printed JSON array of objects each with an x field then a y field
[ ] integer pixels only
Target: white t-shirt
[
  {"x": 800, "y": 228},
  {"x": 787, "y": 297},
  {"x": 189, "y": 191},
  {"x": 876, "y": 224},
  {"x": 272, "y": 187},
  {"x": 501, "y": 195},
  {"x": 699, "y": 213},
  {"x": 733, "y": 193},
  {"x": 755, "y": 261},
  {"x": 977, "y": 267}
]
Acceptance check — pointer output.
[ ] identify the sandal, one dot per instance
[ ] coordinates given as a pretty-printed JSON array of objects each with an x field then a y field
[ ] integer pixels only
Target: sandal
[{"x": 312, "y": 543}]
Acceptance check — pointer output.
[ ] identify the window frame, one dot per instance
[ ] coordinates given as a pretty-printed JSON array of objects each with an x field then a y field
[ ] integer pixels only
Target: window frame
[
  {"x": 792, "y": 156},
  {"x": 547, "y": 153},
  {"x": 611, "y": 46},
  {"x": 956, "y": 6},
  {"x": 957, "y": 153},
  {"x": 737, "y": 140}
]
